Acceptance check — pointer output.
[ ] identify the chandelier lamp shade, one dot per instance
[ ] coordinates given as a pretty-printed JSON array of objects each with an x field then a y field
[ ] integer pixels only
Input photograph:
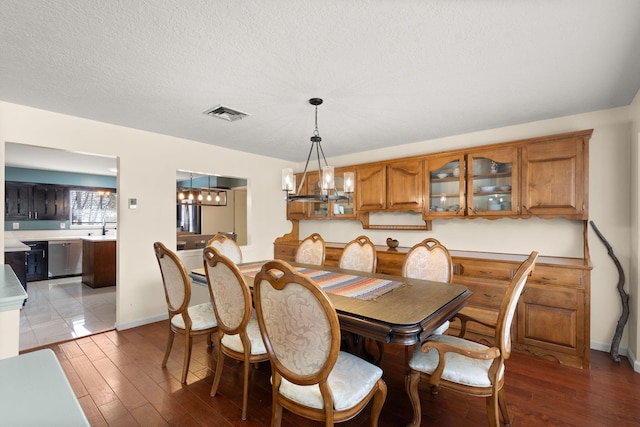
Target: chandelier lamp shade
[{"x": 326, "y": 181}]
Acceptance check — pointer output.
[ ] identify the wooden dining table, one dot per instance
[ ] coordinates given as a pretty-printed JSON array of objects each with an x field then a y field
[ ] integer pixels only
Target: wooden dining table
[{"x": 399, "y": 310}]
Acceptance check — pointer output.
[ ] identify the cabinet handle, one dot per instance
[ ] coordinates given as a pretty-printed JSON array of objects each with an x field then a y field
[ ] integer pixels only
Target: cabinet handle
[
  {"x": 549, "y": 278},
  {"x": 489, "y": 296},
  {"x": 489, "y": 273}
]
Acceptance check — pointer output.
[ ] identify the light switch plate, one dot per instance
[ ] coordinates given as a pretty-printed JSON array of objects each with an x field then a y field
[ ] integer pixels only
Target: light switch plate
[
  {"x": 63, "y": 225},
  {"x": 133, "y": 203},
  {"x": 16, "y": 225}
]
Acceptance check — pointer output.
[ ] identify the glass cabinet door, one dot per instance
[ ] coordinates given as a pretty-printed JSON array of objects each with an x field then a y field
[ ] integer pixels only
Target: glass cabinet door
[
  {"x": 342, "y": 208},
  {"x": 492, "y": 182},
  {"x": 445, "y": 186},
  {"x": 319, "y": 209}
]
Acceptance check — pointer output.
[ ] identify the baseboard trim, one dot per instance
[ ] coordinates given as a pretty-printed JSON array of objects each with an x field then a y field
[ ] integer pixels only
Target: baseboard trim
[
  {"x": 140, "y": 322},
  {"x": 622, "y": 351}
]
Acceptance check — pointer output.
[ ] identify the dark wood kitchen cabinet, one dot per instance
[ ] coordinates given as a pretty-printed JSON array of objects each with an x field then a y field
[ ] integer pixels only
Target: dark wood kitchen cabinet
[
  {"x": 50, "y": 202},
  {"x": 18, "y": 200},
  {"x": 29, "y": 201}
]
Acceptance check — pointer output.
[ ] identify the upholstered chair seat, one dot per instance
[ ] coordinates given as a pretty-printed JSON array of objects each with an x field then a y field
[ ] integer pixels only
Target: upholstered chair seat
[
  {"x": 201, "y": 315},
  {"x": 234, "y": 342},
  {"x": 350, "y": 380},
  {"x": 458, "y": 368}
]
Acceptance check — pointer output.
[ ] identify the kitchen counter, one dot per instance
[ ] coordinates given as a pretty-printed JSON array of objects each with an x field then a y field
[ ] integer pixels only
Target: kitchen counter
[
  {"x": 12, "y": 294},
  {"x": 36, "y": 392},
  {"x": 99, "y": 238},
  {"x": 14, "y": 245}
]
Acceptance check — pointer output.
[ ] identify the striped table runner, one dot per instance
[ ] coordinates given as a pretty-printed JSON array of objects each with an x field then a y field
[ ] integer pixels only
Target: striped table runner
[{"x": 360, "y": 287}]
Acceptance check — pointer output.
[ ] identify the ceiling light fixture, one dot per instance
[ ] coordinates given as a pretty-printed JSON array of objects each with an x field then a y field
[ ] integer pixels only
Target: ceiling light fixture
[{"x": 326, "y": 180}]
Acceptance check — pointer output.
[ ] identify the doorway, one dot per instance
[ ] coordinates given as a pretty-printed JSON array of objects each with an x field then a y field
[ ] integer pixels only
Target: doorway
[{"x": 59, "y": 306}]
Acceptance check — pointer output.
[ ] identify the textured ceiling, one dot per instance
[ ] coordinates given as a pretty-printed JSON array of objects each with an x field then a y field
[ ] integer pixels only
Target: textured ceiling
[{"x": 390, "y": 72}]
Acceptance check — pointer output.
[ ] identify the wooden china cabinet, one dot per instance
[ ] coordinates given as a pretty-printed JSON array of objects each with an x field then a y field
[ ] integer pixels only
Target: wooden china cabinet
[
  {"x": 390, "y": 186},
  {"x": 544, "y": 177}
]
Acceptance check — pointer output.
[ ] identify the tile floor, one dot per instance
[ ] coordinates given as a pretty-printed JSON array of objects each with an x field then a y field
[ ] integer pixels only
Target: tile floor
[{"x": 63, "y": 309}]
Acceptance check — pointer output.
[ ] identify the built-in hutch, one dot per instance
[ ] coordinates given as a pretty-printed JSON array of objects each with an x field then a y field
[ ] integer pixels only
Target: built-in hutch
[{"x": 543, "y": 177}]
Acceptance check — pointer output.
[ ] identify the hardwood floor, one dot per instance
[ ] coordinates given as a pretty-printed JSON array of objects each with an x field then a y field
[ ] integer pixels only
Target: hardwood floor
[{"x": 119, "y": 382}]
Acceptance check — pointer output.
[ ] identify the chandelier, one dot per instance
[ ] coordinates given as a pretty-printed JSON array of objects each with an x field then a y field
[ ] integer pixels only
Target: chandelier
[{"x": 326, "y": 182}]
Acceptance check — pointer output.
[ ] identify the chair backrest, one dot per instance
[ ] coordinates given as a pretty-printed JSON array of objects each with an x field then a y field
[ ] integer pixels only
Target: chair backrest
[
  {"x": 428, "y": 260},
  {"x": 229, "y": 292},
  {"x": 359, "y": 254},
  {"x": 311, "y": 250},
  {"x": 298, "y": 323},
  {"x": 509, "y": 303},
  {"x": 177, "y": 285},
  {"x": 227, "y": 246}
]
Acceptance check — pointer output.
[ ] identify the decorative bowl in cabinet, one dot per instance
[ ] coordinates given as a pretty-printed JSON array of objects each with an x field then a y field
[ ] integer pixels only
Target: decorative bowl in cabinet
[
  {"x": 488, "y": 188},
  {"x": 442, "y": 175}
]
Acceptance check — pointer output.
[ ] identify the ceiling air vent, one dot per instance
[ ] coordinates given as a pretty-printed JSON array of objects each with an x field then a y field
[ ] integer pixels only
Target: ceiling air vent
[{"x": 225, "y": 113}]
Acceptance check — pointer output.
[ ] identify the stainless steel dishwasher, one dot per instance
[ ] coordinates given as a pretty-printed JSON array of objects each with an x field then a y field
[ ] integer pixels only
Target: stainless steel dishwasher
[{"x": 65, "y": 258}]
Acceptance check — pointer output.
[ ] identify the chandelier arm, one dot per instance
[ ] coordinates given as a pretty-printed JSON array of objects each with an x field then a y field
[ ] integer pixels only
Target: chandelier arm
[
  {"x": 318, "y": 148},
  {"x": 304, "y": 175}
]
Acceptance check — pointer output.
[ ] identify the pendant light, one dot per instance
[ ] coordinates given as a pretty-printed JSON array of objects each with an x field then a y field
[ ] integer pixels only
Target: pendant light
[
  {"x": 209, "y": 189},
  {"x": 325, "y": 173}
]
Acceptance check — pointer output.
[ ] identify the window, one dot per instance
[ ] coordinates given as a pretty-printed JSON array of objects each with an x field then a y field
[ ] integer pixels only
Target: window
[{"x": 93, "y": 207}]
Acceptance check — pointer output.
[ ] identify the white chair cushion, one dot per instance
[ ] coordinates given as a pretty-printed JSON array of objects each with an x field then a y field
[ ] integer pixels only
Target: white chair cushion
[
  {"x": 253, "y": 331},
  {"x": 202, "y": 317},
  {"x": 441, "y": 329},
  {"x": 350, "y": 381},
  {"x": 458, "y": 369}
]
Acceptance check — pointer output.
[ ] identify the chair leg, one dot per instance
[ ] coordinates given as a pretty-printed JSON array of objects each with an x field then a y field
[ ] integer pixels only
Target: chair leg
[
  {"x": 187, "y": 356},
  {"x": 492, "y": 411},
  {"x": 503, "y": 407},
  {"x": 411, "y": 385},
  {"x": 218, "y": 374},
  {"x": 245, "y": 386},
  {"x": 378, "y": 402},
  {"x": 276, "y": 411},
  {"x": 168, "y": 350}
]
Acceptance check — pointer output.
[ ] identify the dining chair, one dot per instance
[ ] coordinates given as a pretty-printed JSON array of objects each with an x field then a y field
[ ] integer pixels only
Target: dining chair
[
  {"x": 310, "y": 376},
  {"x": 227, "y": 246},
  {"x": 311, "y": 250},
  {"x": 238, "y": 331},
  {"x": 183, "y": 319},
  {"x": 466, "y": 366},
  {"x": 429, "y": 260},
  {"x": 359, "y": 254}
]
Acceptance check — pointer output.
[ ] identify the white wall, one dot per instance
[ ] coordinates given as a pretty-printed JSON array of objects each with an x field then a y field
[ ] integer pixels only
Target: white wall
[
  {"x": 147, "y": 165},
  {"x": 609, "y": 203}
]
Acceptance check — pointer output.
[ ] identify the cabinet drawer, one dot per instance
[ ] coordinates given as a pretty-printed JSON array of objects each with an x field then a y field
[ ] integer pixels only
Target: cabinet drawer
[
  {"x": 484, "y": 269},
  {"x": 485, "y": 293},
  {"x": 557, "y": 276}
]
